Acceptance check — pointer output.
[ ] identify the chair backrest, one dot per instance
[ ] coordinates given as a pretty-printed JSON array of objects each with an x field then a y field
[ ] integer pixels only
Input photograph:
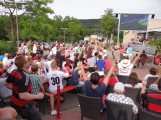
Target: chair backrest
[
  {"x": 118, "y": 111},
  {"x": 90, "y": 107},
  {"x": 151, "y": 80},
  {"x": 134, "y": 94},
  {"x": 122, "y": 78},
  {"x": 147, "y": 115},
  {"x": 154, "y": 103}
]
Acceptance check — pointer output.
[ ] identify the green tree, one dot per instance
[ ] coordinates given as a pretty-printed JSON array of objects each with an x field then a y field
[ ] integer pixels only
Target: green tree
[
  {"x": 108, "y": 23},
  {"x": 36, "y": 24},
  {"x": 157, "y": 44}
]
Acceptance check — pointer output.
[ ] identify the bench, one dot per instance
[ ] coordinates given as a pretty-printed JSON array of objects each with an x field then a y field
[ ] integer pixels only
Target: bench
[{"x": 66, "y": 89}]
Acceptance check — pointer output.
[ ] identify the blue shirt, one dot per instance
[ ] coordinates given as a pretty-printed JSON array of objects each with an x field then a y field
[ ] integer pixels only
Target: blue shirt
[
  {"x": 1, "y": 57},
  {"x": 129, "y": 50},
  {"x": 97, "y": 92},
  {"x": 100, "y": 64}
]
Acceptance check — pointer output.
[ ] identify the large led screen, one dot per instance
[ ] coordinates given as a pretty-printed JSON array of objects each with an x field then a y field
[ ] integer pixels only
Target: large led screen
[{"x": 134, "y": 22}]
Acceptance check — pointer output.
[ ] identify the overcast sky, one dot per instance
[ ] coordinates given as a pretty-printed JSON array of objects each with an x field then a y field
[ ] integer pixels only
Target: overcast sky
[{"x": 94, "y": 9}]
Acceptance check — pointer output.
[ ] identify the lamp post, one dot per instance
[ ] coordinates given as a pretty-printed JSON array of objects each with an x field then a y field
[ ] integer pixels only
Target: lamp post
[{"x": 64, "y": 33}]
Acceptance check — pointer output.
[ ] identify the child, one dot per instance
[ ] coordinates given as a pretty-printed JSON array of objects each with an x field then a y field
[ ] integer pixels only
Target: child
[{"x": 37, "y": 86}]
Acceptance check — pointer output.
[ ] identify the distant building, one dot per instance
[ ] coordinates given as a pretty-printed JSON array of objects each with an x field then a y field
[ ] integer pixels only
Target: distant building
[{"x": 92, "y": 38}]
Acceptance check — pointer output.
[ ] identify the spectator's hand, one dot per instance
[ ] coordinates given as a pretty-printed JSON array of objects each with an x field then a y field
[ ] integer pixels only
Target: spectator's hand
[
  {"x": 40, "y": 95},
  {"x": 144, "y": 82}
]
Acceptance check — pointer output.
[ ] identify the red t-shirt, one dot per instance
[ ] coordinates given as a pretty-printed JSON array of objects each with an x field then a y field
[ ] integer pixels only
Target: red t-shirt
[{"x": 111, "y": 81}]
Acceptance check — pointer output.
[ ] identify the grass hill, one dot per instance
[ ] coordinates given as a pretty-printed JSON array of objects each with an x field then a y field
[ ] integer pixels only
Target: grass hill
[{"x": 91, "y": 23}]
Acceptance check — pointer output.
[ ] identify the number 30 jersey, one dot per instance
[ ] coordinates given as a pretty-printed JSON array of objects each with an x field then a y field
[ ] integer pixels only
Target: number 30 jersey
[{"x": 55, "y": 78}]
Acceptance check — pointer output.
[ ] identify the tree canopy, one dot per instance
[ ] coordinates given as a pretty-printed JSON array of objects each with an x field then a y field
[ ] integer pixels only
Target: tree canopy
[{"x": 108, "y": 22}]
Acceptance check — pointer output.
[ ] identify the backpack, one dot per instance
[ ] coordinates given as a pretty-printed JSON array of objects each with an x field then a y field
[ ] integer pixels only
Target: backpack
[{"x": 74, "y": 79}]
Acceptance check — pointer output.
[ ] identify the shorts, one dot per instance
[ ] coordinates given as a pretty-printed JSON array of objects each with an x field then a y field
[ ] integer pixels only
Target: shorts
[{"x": 27, "y": 112}]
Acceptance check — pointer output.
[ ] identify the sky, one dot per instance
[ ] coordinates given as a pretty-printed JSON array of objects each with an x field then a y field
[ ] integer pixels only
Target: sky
[{"x": 94, "y": 9}]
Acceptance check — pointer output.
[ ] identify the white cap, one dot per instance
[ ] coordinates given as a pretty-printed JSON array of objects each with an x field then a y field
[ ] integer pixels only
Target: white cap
[{"x": 119, "y": 87}]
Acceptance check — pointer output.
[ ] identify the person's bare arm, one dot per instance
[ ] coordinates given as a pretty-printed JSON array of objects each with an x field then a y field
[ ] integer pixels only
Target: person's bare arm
[
  {"x": 9, "y": 86},
  {"x": 83, "y": 73},
  {"x": 42, "y": 88},
  {"x": 114, "y": 55},
  {"x": 137, "y": 57},
  {"x": 79, "y": 54},
  {"x": 109, "y": 73},
  {"x": 28, "y": 96},
  {"x": 143, "y": 87},
  {"x": 28, "y": 43},
  {"x": 80, "y": 74},
  {"x": 156, "y": 82}
]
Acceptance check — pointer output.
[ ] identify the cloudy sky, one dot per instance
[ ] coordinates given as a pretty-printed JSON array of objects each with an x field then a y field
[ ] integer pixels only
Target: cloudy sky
[{"x": 94, "y": 9}]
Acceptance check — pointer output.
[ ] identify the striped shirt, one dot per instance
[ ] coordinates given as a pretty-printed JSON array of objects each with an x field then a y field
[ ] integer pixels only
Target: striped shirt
[{"x": 36, "y": 82}]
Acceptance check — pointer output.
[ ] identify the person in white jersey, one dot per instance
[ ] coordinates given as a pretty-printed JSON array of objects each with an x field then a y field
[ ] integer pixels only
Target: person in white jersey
[{"x": 55, "y": 78}]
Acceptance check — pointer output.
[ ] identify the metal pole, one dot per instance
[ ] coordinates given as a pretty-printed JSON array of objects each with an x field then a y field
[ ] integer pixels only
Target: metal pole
[
  {"x": 118, "y": 29},
  {"x": 17, "y": 26},
  {"x": 147, "y": 28}
]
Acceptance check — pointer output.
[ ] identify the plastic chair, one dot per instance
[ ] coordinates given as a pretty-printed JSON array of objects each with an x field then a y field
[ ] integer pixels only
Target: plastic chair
[{"x": 90, "y": 107}]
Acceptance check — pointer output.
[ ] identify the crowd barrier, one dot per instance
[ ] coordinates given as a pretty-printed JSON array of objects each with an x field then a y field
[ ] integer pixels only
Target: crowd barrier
[{"x": 138, "y": 47}]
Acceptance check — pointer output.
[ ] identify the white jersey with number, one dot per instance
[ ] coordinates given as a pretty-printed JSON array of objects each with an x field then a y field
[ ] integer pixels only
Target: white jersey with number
[{"x": 55, "y": 78}]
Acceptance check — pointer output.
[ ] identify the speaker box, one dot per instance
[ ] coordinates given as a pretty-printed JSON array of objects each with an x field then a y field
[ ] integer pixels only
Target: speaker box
[
  {"x": 153, "y": 15},
  {"x": 116, "y": 15}
]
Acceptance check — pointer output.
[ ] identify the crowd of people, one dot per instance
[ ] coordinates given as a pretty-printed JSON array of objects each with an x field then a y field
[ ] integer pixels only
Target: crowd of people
[{"x": 35, "y": 71}]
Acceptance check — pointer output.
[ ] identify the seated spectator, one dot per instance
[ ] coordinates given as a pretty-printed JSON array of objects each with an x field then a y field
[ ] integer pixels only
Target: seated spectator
[
  {"x": 154, "y": 92},
  {"x": 76, "y": 78},
  {"x": 133, "y": 81},
  {"x": 153, "y": 73},
  {"x": 37, "y": 86},
  {"x": 92, "y": 86},
  {"x": 21, "y": 87},
  {"x": 55, "y": 78},
  {"x": 8, "y": 113},
  {"x": 118, "y": 96}
]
